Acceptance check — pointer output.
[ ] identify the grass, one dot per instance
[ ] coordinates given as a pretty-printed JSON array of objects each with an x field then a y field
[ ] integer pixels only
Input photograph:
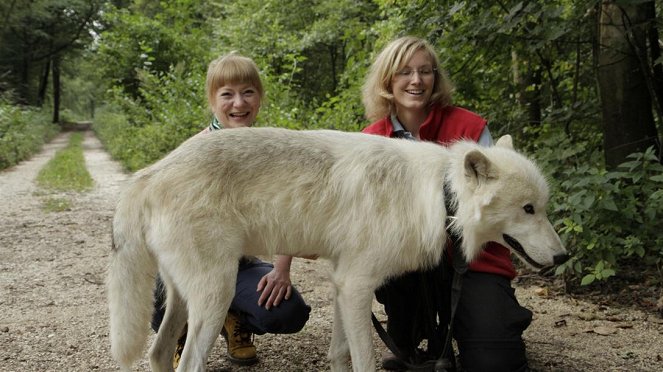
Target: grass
[
  {"x": 56, "y": 204},
  {"x": 67, "y": 171}
]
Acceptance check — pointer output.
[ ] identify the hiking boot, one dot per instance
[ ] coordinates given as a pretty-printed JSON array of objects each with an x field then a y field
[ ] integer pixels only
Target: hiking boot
[
  {"x": 241, "y": 350},
  {"x": 178, "y": 350}
]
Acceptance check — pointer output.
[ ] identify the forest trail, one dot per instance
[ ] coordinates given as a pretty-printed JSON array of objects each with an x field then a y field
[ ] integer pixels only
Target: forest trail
[{"x": 53, "y": 312}]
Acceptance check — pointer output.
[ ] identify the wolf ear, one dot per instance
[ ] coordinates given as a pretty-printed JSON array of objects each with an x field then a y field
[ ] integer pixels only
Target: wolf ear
[
  {"x": 505, "y": 141},
  {"x": 478, "y": 169}
]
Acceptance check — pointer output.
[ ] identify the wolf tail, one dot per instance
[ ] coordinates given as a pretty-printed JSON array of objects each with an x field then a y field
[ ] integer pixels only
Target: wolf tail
[{"x": 130, "y": 284}]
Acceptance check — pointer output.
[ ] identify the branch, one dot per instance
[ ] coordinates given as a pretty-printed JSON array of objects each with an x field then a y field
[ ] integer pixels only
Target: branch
[{"x": 58, "y": 49}]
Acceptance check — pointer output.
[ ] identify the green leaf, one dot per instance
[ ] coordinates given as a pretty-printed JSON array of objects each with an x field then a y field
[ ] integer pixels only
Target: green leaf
[
  {"x": 515, "y": 9},
  {"x": 608, "y": 273},
  {"x": 609, "y": 204},
  {"x": 456, "y": 8},
  {"x": 599, "y": 266},
  {"x": 588, "y": 279}
]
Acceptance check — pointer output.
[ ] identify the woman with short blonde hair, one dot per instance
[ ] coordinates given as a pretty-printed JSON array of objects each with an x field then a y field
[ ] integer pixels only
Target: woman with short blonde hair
[
  {"x": 264, "y": 301},
  {"x": 232, "y": 68}
]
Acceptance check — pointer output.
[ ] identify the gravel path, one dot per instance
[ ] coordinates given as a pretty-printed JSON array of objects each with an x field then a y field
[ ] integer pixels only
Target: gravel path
[{"x": 53, "y": 314}]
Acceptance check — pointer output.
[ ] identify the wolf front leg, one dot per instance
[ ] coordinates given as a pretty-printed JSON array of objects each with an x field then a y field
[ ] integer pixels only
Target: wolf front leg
[
  {"x": 353, "y": 301},
  {"x": 338, "y": 349}
]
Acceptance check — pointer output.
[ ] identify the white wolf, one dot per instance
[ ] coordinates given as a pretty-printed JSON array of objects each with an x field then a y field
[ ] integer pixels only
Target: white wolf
[{"x": 373, "y": 206}]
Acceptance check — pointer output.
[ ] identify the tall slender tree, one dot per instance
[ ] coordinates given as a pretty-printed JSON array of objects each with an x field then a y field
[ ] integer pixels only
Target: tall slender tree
[{"x": 624, "y": 77}]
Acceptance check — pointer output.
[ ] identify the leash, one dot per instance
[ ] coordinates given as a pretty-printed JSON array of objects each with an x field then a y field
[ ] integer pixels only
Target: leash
[
  {"x": 459, "y": 266},
  {"x": 446, "y": 361}
]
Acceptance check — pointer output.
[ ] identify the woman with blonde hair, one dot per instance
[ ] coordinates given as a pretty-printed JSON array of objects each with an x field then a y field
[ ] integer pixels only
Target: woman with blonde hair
[
  {"x": 265, "y": 301},
  {"x": 408, "y": 95}
]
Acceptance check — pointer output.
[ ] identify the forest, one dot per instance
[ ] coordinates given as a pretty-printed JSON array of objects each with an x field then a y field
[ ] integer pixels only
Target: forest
[{"x": 578, "y": 84}]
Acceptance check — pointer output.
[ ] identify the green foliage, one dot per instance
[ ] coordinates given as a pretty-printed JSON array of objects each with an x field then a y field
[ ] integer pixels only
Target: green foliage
[
  {"x": 33, "y": 33},
  {"x": 66, "y": 171},
  {"x": 606, "y": 219},
  {"x": 22, "y": 132},
  {"x": 312, "y": 59},
  {"x": 139, "y": 132},
  {"x": 156, "y": 100},
  {"x": 175, "y": 35},
  {"x": 83, "y": 88},
  {"x": 524, "y": 65}
]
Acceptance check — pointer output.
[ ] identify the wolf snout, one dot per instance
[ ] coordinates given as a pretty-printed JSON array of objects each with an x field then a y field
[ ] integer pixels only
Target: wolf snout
[{"x": 559, "y": 259}]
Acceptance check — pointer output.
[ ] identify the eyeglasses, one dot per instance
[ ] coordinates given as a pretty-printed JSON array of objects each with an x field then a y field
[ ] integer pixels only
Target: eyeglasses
[{"x": 425, "y": 72}]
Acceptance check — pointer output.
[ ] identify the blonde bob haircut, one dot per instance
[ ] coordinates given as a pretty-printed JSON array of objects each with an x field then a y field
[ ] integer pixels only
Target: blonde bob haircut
[
  {"x": 377, "y": 94},
  {"x": 232, "y": 68}
]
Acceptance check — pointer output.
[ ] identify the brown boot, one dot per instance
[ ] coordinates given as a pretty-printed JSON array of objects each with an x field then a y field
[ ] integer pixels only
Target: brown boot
[
  {"x": 178, "y": 349},
  {"x": 241, "y": 350}
]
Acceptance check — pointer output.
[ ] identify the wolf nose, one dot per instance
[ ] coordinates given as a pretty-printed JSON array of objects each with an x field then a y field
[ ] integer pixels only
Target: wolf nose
[{"x": 560, "y": 258}]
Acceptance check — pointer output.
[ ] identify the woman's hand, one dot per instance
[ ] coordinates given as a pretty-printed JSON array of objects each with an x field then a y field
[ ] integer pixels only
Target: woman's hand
[{"x": 276, "y": 285}]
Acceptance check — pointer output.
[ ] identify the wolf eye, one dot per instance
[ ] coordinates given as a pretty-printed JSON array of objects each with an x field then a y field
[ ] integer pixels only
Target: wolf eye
[{"x": 529, "y": 209}]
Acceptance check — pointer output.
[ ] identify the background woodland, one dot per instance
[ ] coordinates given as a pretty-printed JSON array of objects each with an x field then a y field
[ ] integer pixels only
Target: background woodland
[{"x": 579, "y": 84}]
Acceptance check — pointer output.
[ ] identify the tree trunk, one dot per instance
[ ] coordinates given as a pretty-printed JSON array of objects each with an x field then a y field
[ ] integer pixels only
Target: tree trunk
[
  {"x": 657, "y": 68},
  {"x": 43, "y": 84},
  {"x": 23, "y": 91},
  {"x": 628, "y": 122},
  {"x": 56, "y": 89},
  {"x": 528, "y": 83}
]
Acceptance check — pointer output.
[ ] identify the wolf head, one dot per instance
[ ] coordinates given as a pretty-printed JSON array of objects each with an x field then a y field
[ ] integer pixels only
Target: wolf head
[{"x": 502, "y": 197}]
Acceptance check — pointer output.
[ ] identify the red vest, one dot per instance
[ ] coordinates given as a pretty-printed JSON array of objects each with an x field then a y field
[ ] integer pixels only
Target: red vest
[{"x": 445, "y": 125}]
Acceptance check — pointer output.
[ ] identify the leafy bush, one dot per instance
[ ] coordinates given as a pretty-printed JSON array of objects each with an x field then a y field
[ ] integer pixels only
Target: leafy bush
[
  {"x": 22, "y": 132},
  {"x": 137, "y": 132},
  {"x": 606, "y": 218}
]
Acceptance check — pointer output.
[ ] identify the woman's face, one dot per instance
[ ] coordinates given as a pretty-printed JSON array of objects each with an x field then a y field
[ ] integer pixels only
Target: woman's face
[
  {"x": 236, "y": 105},
  {"x": 412, "y": 85}
]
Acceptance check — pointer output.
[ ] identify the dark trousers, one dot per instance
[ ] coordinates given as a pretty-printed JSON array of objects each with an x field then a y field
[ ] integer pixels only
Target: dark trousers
[
  {"x": 488, "y": 325},
  {"x": 289, "y": 317}
]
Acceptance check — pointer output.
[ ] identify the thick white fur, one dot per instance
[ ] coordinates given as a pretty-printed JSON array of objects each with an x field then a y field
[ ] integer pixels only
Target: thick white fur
[{"x": 373, "y": 206}]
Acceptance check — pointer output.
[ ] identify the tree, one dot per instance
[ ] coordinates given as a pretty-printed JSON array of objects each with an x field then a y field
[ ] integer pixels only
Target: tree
[
  {"x": 625, "y": 79},
  {"x": 153, "y": 37},
  {"x": 35, "y": 37}
]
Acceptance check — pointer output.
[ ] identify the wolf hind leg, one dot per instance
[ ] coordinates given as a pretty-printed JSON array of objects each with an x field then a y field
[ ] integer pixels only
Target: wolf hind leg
[
  {"x": 209, "y": 293},
  {"x": 162, "y": 350}
]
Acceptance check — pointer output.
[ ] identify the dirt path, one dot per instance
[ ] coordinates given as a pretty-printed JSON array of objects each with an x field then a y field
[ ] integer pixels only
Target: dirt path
[{"x": 53, "y": 314}]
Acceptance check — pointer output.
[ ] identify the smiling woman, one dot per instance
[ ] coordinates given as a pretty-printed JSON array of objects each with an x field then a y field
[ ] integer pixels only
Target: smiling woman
[
  {"x": 234, "y": 91},
  {"x": 236, "y": 105},
  {"x": 265, "y": 300},
  {"x": 409, "y": 95}
]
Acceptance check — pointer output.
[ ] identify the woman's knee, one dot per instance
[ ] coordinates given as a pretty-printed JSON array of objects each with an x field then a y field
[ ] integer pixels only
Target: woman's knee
[{"x": 290, "y": 318}]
